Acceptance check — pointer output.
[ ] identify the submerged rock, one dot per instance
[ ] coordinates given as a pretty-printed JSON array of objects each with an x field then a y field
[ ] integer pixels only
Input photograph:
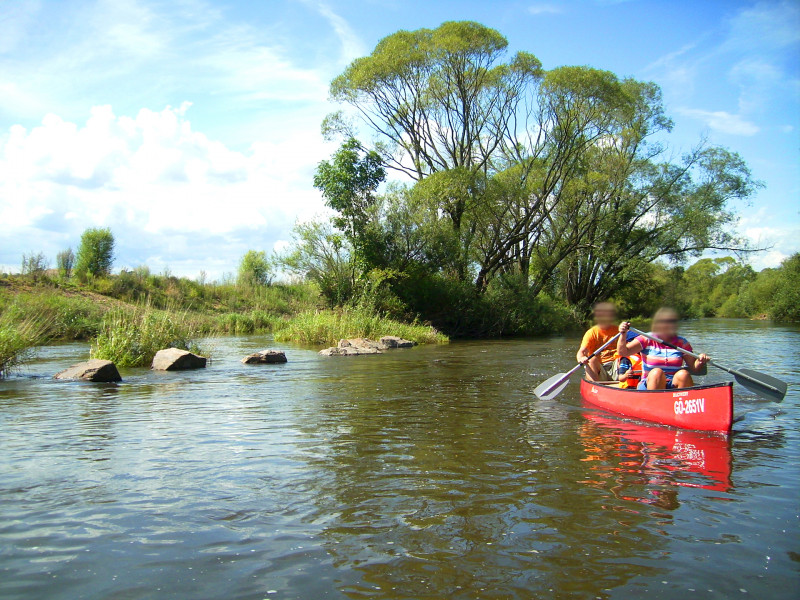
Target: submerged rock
[
  {"x": 175, "y": 359},
  {"x": 361, "y": 346},
  {"x": 103, "y": 371},
  {"x": 392, "y": 341},
  {"x": 265, "y": 357},
  {"x": 348, "y": 351}
]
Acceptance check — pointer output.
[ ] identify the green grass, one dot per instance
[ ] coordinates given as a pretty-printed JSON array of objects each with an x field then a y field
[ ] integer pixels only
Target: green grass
[
  {"x": 327, "y": 327},
  {"x": 131, "y": 336},
  {"x": 66, "y": 317},
  {"x": 18, "y": 340}
]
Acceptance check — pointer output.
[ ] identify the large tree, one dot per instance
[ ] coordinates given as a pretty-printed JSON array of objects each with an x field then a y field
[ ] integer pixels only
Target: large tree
[{"x": 547, "y": 178}]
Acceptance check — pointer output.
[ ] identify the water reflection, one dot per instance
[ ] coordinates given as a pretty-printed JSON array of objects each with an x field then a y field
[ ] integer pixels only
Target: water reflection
[{"x": 646, "y": 463}]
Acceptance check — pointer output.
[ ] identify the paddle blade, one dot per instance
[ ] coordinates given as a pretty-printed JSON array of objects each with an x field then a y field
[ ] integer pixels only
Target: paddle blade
[
  {"x": 552, "y": 387},
  {"x": 762, "y": 384}
]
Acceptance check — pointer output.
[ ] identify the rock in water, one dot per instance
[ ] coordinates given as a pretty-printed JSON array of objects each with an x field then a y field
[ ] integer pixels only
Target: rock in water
[
  {"x": 362, "y": 344},
  {"x": 392, "y": 341},
  {"x": 265, "y": 357},
  {"x": 348, "y": 351},
  {"x": 175, "y": 359},
  {"x": 103, "y": 371}
]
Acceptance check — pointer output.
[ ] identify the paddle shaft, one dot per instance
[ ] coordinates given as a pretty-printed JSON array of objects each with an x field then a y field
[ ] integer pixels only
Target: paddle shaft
[
  {"x": 556, "y": 382},
  {"x": 711, "y": 362}
]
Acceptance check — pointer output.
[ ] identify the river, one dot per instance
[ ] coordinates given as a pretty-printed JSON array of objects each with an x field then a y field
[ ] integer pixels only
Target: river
[{"x": 425, "y": 473}]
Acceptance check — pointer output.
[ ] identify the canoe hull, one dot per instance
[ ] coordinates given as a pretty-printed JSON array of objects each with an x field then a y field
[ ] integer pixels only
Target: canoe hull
[{"x": 701, "y": 408}]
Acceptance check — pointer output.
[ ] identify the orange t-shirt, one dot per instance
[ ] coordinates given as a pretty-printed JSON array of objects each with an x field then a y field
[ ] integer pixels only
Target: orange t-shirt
[{"x": 596, "y": 337}]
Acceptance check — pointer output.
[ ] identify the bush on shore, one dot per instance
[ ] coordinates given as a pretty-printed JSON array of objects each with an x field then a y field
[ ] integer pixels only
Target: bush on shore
[{"x": 327, "y": 327}]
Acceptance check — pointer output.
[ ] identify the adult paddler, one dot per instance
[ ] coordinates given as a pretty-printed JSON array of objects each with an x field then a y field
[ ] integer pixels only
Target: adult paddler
[{"x": 600, "y": 367}]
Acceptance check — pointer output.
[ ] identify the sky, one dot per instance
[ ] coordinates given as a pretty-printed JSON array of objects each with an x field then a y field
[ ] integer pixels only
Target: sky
[{"x": 191, "y": 128}]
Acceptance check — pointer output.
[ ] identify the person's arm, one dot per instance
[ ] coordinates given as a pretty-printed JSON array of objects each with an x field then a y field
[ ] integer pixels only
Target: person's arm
[
  {"x": 630, "y": 348},
  {"x": 586, "y": 348},
  {"x": 583, "y": 355},
  {"x": 624, "y": 369},
  {"x": 695, "y": 365}
]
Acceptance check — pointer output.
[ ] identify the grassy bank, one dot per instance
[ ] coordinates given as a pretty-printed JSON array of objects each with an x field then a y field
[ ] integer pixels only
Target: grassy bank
[
  {"x": 128, "y": 326},
  {"x": 328, "y": 327}
]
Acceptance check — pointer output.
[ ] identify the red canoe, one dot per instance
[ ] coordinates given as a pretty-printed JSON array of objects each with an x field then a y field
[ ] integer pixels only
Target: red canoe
[{"x": 703, "y": 407}]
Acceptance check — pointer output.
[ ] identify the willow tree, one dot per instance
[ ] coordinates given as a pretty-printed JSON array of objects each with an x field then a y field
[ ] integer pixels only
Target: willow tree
[
  {"x": 662, "y": 210},
  {"x": 539, "y": 174}
]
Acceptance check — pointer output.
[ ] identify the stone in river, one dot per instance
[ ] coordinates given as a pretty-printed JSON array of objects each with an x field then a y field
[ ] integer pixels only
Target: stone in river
[
  {"x": 175, "y": 359},
  {"x": 349, "y": 351},
  {"x": 97, "y": 370},
  {"x": 392, "y": 341},
  {"x": 362, "y": 344},
  {"x": 265, "y": 357}
]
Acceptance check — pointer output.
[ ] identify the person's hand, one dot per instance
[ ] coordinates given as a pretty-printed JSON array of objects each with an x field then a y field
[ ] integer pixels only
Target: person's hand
[
  {"x": 624, "y": 327},
  {"x": 583, "y": 360},
  {"x": 703, "y": 359}
]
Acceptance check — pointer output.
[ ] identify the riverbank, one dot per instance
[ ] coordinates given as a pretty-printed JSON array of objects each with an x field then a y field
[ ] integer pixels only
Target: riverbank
[{"x": 127, "y": 318}]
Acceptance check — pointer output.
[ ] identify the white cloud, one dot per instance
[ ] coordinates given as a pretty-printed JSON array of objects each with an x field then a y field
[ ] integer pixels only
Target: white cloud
[
  {"x": 779, "y": 242},
  {"x": 171, "y": 195},
  {"x": 352, "y": 46},
  {"x": 764, "y": 26},
  {"x": 189, "y": 195},
  {"x": 721, "y": 121},
  {"x": 545, "y": 9}
]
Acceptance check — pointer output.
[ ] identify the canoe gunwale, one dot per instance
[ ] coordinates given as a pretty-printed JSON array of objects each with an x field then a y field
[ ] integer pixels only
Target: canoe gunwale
[{"x": 607, "y": 385}]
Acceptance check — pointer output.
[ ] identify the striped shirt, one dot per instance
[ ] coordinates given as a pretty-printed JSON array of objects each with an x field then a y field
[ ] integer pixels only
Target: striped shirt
[{"x": 655, "y": 355}]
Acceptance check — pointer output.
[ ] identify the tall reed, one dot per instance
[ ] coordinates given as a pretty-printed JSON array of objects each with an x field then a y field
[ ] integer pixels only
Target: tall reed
[
  {"x": 18, "y": 340},
  {"x": 131, "y": 336}
]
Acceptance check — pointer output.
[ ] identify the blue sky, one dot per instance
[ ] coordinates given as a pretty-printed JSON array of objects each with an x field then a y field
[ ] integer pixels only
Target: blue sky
[{"x": 191, "y": 127}]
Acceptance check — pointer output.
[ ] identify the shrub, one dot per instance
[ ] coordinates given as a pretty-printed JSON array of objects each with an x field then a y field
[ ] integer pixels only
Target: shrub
[
  {"x": 254, "y": 269},
  {"x": 328, "y": 327},
  {"x": 130, "y": 337},
  {"x": 34, "y": 265},
  {"x": 65, "y": 261},
  {"x": 95, "y": 254}
]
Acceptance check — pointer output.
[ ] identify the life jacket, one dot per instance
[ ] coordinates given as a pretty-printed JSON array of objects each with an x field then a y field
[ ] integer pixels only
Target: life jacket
[{"x": 634, "y": 373}]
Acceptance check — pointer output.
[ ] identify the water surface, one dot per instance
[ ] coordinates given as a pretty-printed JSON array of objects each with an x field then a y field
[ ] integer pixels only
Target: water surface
[{"x": 424, "y": 473}]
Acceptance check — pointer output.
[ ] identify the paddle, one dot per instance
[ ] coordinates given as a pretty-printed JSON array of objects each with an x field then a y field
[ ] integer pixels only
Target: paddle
[
  {"x": 553, "y": 386},
  {"x": 761, "y": 384}
]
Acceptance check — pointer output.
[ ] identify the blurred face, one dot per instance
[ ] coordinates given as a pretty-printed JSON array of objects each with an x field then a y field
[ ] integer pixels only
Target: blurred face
[
  {"x": 605, "y": 314},
  {"x": 666, "y": 326}
]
